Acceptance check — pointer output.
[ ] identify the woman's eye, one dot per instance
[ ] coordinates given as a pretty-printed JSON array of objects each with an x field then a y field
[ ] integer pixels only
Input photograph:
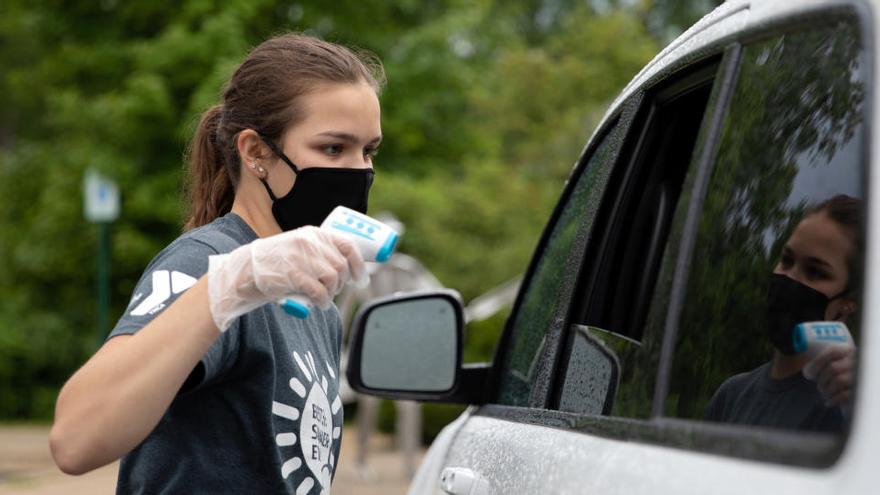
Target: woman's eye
[
  {"x": 815, "y": 273},
  {"x": 786, "y": 260},
  {"x": 332, "y": 149},
  {"x": 371, "y": 152}
]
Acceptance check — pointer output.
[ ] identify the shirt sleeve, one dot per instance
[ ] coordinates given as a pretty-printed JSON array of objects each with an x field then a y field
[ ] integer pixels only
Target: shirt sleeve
[
  {"x": 718, "y": 403},
  {"x": 167, "y": 277}
]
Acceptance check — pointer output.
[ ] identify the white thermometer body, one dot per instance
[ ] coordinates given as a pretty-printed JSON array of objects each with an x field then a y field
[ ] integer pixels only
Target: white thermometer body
[{"x": 812, "y": 337}]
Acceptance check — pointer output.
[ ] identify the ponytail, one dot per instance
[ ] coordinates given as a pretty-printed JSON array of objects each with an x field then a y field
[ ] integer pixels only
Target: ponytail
[{"x": 209, "y": 186}]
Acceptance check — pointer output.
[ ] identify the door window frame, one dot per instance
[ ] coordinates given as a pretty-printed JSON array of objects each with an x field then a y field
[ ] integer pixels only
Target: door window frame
[
  {"x": 619, "y": 123},
  {"x": 596, "y": 279}
]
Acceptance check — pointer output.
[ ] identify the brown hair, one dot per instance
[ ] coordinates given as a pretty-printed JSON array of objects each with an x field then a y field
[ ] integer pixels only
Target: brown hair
[
  {"x": 262, "y": 95},
  {"x": 848, "y": 212}
]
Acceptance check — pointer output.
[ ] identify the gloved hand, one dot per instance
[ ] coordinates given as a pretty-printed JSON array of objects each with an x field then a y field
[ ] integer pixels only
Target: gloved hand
[
  {"x": 833, "y": 369},
  {"x": 308, "y": 261}
]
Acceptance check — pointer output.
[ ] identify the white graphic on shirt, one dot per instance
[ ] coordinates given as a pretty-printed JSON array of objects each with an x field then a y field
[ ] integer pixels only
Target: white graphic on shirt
[
  {"x": 316, "y": 430},
  {"x": 137, "y": 297},
  {"x": 164, "y": 284}
]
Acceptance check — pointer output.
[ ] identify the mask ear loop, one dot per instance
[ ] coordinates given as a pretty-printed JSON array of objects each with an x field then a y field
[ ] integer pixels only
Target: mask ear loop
[
  {"x": 281, "y": 155},
  {"x": 846, "y": 290},
  {"x": 278, "y": 152}
]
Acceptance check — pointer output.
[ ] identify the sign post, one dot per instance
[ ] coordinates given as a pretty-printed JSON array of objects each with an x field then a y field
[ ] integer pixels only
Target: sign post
[{"x": 101, "y": 201}]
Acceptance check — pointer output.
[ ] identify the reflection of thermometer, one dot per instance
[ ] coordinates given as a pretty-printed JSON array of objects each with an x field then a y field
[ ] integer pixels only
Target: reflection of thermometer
[
  {"x": 812, "y": 337},
  {"x": 375, "y": 240}
]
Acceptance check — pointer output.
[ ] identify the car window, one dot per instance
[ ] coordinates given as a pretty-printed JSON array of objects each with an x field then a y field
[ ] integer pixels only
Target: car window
[
  {"x": 608, "y": 341},
  {"x": 545, "y": 302},
  {"x": 779, "y": 240}
]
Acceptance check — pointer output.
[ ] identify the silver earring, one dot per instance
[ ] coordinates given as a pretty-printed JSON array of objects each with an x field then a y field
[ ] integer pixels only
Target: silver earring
[{"x": 261, "y": 170}]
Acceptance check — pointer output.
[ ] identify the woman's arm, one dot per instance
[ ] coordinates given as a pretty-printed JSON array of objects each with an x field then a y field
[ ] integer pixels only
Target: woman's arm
[{"x": 114, "y": 401}]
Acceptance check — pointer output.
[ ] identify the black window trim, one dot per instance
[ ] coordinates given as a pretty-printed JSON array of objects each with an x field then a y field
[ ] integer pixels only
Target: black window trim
[
  {"x": 714, "y": 70},
  {"x": 618, "y": 121},
  {"x": 593, "y": 288},
  {"x": 728, "y": 72}
]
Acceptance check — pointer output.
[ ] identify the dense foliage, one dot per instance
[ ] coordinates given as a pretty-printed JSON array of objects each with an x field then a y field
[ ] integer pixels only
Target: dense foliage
[{"x": 487, "y": 107}]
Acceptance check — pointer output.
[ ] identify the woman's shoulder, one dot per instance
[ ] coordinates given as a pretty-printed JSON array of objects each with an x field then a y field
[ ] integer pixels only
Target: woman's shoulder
[
  {"x": 221, "y": 235},
  {"x": 191, "y": 249},
  {"x": 747, "y": 378}
]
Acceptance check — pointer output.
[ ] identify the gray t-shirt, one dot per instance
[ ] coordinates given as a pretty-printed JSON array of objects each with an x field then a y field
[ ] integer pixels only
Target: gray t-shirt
[
  {"x": 261, "y": 412},
  {"x": 754, "y": 398}
]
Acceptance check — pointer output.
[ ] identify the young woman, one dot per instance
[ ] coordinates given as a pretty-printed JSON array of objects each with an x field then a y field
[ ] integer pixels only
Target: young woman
[
  {"x": 205, "y": 384},
  {"x": 816, "y": 279}
]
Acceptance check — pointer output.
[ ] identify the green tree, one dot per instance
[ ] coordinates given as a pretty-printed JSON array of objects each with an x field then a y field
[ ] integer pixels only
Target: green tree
[{"x": 486, "y": 109}]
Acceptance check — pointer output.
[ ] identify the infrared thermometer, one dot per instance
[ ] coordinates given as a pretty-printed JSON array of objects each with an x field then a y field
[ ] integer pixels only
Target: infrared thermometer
[
  {"x": 811, "y": 337},
  {"x": 375, "y": 240}
]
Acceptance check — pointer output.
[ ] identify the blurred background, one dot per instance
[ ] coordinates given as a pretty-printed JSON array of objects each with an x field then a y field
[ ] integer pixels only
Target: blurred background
[{"x": 487, "y": 107}]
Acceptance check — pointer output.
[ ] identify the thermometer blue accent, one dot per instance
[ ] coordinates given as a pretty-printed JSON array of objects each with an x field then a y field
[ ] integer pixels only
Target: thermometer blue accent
[
  {"x": 799, "y": 339},
  {"x": 350, "y": 230},
  {"x": 388, "y": 248},
  {"x": 294, "y": 308}
]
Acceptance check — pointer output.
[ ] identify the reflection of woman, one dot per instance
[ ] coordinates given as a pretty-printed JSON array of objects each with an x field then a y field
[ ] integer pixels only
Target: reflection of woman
[
  {"x": 206, "y": 385},
  {"x": 816, "y": 279}
]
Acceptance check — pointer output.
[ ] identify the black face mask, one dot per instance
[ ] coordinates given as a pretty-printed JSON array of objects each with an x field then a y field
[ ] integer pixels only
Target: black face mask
[
  {"x": 317, "y": 191},
  {"x": 790, "y": 302}
]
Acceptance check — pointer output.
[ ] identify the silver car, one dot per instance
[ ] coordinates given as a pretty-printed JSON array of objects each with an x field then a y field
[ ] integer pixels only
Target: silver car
[{"x": 721, "y": 208}]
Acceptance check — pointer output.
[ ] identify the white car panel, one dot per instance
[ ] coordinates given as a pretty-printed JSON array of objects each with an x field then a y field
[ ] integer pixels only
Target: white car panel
[{"x": 526, "y": 458}]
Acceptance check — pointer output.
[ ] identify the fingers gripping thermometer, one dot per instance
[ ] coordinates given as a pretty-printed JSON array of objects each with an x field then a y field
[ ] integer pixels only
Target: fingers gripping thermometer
[
  {"x": 375, "y": 240},
  {"x": 812, "y": 337}
]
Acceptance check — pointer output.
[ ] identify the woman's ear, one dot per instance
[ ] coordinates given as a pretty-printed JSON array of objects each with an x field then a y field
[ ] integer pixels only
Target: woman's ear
[
  {"x": 252, "y": 151},
  {"x": 848, "y": 307}
]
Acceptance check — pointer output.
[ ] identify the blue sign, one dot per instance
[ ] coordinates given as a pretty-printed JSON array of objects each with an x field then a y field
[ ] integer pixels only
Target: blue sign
[{"x": 101, "y": 198}]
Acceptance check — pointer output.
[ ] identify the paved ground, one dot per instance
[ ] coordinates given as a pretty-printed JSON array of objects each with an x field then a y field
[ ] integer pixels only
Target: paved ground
[{"x": 26, "y": 468}]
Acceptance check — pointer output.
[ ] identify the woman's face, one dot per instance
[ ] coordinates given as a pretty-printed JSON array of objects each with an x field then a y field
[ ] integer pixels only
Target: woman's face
[
  {"x": 817, "y": 255},
  {"x": 341, "y": 129}
]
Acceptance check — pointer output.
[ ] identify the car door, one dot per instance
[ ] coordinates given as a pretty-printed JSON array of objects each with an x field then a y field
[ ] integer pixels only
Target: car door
[{"x": 653, "y": 266}]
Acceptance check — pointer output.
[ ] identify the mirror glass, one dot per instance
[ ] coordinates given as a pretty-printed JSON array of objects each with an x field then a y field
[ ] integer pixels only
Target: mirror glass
[
  {"x": 592, "y": 374},
  {"x": 411, "y": 345}
]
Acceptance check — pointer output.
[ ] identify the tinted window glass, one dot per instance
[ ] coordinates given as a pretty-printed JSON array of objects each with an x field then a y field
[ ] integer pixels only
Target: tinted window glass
[
  {"x": 619, "y": 294},
  {"x": 779, "y": 235},
  {"x": 547, "y": 297}
]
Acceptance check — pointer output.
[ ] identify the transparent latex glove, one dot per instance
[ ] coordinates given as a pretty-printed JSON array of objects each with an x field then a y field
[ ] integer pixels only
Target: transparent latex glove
[
  {"x": 308, "y": 261},
  {"x": 833, "y": 369}
]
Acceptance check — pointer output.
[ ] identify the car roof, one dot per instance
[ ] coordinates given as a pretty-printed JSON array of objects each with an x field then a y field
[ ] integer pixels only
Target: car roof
[{"x": 726, "y": 21}]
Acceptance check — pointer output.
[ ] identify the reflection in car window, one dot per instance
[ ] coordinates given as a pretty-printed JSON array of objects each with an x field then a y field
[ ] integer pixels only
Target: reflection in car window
[
  {"x": 672, "y": 137},
  {"x": 592, "y": 374},
  {"x": 550, "y": 288},
  {"x": 779, "y": 238}
]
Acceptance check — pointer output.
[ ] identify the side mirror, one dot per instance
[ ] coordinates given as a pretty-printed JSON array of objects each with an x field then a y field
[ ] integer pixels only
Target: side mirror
[
  {"x": 592, "y": 376},
  {"x": 408, "y": 346}
]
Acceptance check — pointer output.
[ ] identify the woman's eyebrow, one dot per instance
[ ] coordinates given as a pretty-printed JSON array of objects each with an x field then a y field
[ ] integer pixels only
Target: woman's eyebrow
[
  {"x": 818, "y": 261},
  {"x": 348, "y": 137}
]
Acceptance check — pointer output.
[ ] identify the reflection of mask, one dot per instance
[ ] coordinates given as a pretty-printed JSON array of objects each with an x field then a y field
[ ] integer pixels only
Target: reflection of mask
[
  {"x": 790, "y": 302},
  {"x": 317, "y": 191}
]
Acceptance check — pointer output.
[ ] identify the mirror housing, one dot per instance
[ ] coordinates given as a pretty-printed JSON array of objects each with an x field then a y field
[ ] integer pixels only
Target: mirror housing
[{"x": 409, "y": 346}]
